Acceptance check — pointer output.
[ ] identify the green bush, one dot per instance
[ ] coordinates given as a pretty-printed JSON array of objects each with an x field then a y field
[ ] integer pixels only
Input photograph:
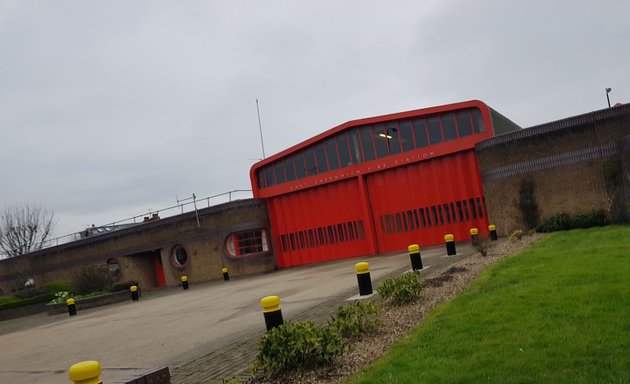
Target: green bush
[
  {"x": 59, "y": 286},
  {"x": 401, "y": 290},
  {"x": 564, "y": 222},
  {"x": 354, "y": 320},
  {"x": 123, "y": 286},
  {"x": 301, "y": 345},
  {"x": 8, "y": 299},
  {"x": 92, "y": 278},
  {"x": 32, "y": 300}
]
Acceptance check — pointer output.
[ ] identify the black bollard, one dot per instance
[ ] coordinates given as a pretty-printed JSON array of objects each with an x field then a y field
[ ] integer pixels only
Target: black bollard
[
  {"x": 184, "y": 280},
  {"x": 414, "y": 255},
  {"x": 226, "y": 275},
  {"x": 493, "y": 232},
  {"x": 134, "y": 293},
  {"x": 474, "y": 236},
  {"x": 271, "y": 311},
  {"x": 363, "y": 278},
  {"x": 449, "y": 239},
  {"x": 72, "y": 308}
]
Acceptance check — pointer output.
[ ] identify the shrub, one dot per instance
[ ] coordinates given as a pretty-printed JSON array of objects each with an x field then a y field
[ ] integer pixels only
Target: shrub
[
  {"x": 563, "y": 221},
  {"x": 401, "y": 290},
  {"x": 516, "y": 235},
  {"x": 528, "y": 205},
  {"x": 59, "y": 286},
  {"x": 123, "y": 286},
  {"x": 33, "y": 300},
  {"x": 301, "y": 345},
  {"x": 8, "y": 299},
  {"x": 92, "y": 278},
  {"x": 354, "y": 320}
]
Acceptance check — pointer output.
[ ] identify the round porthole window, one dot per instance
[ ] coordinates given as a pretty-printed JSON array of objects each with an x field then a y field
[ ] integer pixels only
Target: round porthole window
[
  {"x": 179, "y": 257},
  {"x": 114, "y": 268}
]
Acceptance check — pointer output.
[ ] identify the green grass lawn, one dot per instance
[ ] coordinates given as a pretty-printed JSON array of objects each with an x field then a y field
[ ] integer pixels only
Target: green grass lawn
[{"x": 558, "y": 312}]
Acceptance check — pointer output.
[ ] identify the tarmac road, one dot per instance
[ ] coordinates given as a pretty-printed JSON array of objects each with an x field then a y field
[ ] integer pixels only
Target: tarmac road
[{"x": 172, "y": 327}]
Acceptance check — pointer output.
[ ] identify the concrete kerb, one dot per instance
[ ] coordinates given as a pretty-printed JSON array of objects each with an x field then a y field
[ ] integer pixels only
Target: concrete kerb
[{"x": 236, "y": 360}]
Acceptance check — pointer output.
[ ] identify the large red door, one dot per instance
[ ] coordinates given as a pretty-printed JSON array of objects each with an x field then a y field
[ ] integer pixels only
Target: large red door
[
  {"x": 318, "y": 224},
  {"x": 422, "y": 202}
]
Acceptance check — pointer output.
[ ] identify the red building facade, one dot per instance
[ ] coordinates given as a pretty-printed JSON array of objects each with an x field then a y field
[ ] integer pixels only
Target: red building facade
[{"x": 377, "y": 185}]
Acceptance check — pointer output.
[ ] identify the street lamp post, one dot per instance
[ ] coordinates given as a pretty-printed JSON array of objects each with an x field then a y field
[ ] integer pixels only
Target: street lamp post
[{"x": 607, "y": 97}]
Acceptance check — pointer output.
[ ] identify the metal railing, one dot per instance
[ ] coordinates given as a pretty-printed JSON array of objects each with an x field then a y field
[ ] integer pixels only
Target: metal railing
[{"x": 182, "y": 206}]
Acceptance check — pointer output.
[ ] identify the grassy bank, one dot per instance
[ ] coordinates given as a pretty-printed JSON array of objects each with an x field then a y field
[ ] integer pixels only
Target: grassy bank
[{"x": 557, "y": 313}]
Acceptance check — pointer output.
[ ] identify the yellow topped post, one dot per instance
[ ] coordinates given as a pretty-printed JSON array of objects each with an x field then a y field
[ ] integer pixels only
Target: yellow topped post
[
  {"x": 414, "y": 255},
  {"x": 271, "y": 311},
  {"x": 493, "y": 232},
  {"x": 226, "y": 275},
  {"x": 134, "y": 293},
  {"x": 449, "y": 239},
  {"x": 474, "y": 236},
  {"x": 363, "y": 278},
  {"x": 184, "y": 280},
  {"x": 85, "y": 372},
  {"x": 72, "y": 308}
]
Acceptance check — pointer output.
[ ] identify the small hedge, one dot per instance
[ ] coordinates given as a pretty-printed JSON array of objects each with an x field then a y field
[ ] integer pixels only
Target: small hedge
[
  {"x": 301, "y": 345},
  {"x": 356, "y": 320},
  {"x": 401, "y": 290},
  {"x": 564, "y": 221},
  {"x": 32, "y": 300}
]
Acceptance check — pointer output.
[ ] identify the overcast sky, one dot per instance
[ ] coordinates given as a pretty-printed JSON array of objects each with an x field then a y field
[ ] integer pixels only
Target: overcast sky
[{"x": 109, "y": 109}]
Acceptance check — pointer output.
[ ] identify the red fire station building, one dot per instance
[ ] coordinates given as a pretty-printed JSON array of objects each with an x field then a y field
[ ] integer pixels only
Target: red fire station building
[{"x": 378, "y": 184}]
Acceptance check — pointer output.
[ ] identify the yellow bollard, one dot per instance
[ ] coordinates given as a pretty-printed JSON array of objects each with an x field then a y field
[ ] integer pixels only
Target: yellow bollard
[
  {"x": 449, "y": 239},
  {"x": 363, "y": 278},
  {"x": 85, "y": 372},
  {"x": 226, "y": 275},
  {"x": 184, "y": 280},
  {"x": 134, "y": 293},
  {"x": 414, "y": 255},
  {"x": 72, "y": 308},
  {"x": 474, "y": 236},
  {"x": 493, "y": 232},
  {"x": 271, "y": 311}
]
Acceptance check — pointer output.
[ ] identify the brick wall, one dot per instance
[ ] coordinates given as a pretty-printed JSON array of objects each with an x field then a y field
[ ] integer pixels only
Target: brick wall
[
  {"x": 568, "y": 162},
  {"x": 135, "y": 249}
]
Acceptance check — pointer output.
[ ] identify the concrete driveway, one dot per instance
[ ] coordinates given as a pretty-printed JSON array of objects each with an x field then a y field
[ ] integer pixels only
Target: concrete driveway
[{"x": 171, "y": 327}]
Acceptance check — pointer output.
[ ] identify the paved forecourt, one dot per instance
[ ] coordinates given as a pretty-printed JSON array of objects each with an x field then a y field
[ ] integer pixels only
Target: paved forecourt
[{"x": 203, "y": 334}]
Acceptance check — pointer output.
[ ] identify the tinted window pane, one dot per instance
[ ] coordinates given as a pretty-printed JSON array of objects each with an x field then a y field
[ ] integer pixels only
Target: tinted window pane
[
  {"x": 355, "y": 145},
  {"x": 394, "y": 142},
  {"x": 344, "y": 151},
  {"x": 320, "y": 154},
  {"x": 269, "y": 177},
  {"x": 464, "y": 123},
  {"x": 289, "y": 169},
  {"x": 435, "y": 131},
  {"x": 381, "y": 140},
  {"x": 420, "y": 133},
  {"x": 261, "y": 179},
  {"x": 331, "y": 152},
  {"x": 478, "y": 122},
  {"x": 279, "y": 168},
  {"x": 367, "y": 144},
  {"x": 406, "y": 135},
  {"x": 448, "y": 124},
  {"x": 309, "y": 157},
  {"x": 300, "y": 169}
]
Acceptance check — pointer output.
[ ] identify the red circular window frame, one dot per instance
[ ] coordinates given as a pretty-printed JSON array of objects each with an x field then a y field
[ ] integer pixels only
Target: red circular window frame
[{"x": 173, "y": 257}]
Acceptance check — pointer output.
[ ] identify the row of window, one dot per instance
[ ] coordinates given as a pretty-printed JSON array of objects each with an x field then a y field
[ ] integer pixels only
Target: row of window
[
  {"x": 369, "y": 142},
  {"x": 322, "y": 236},
  {"x": 435, "y": 215},
  {"x": 246, "y": 243}
]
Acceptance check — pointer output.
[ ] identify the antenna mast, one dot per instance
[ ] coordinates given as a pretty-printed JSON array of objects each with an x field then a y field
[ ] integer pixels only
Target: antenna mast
[{"x": 262, "y": 143}]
